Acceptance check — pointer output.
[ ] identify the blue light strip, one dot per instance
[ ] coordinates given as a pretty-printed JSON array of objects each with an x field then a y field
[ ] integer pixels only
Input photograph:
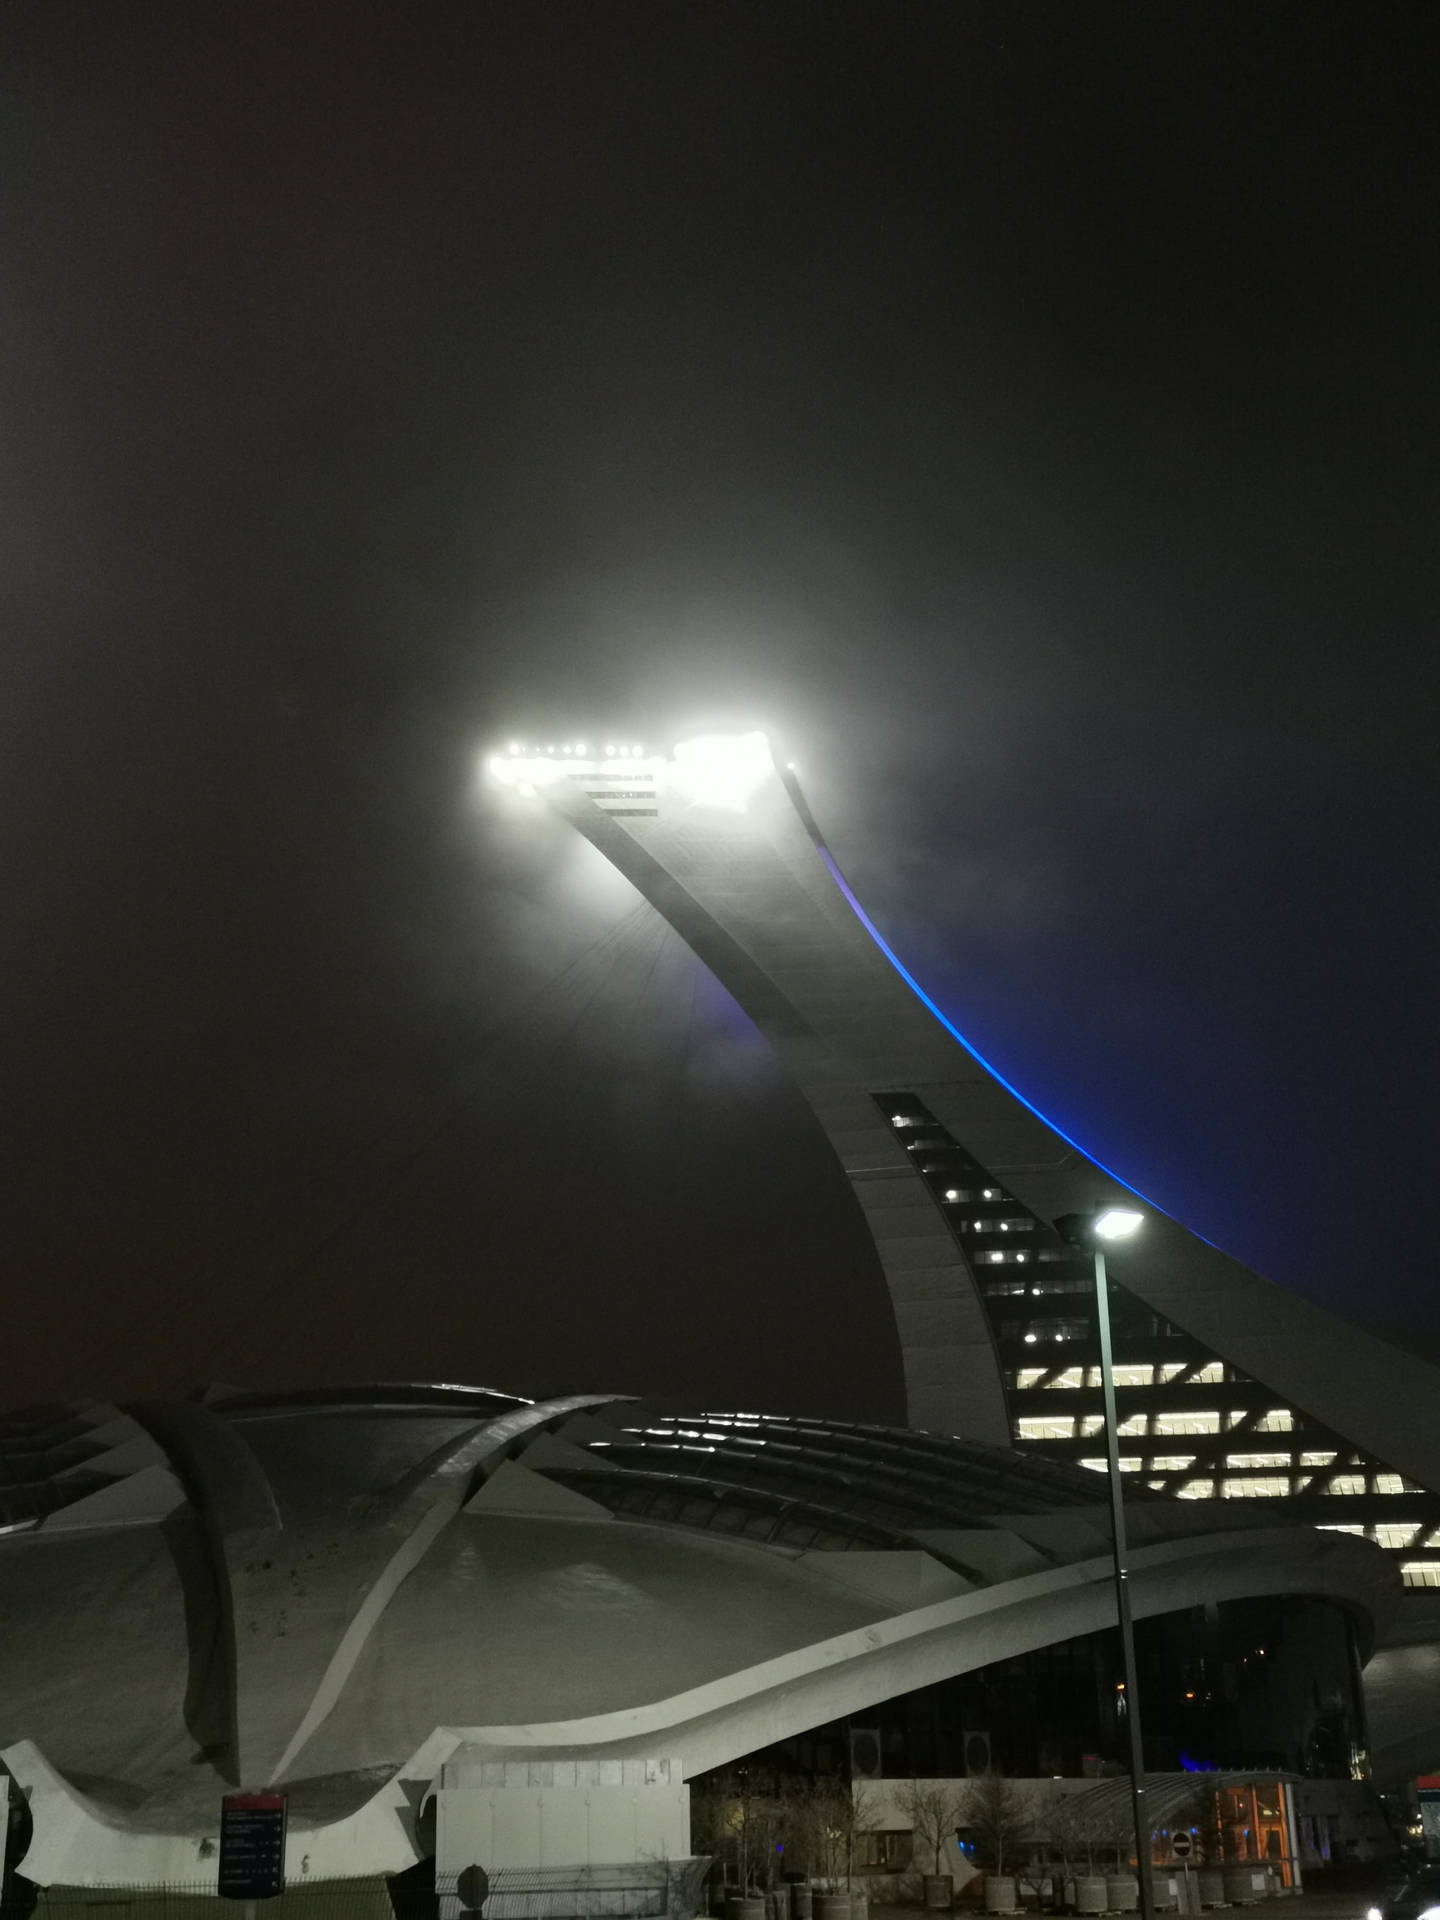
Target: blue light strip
[{"x": 955, "y": 1033}]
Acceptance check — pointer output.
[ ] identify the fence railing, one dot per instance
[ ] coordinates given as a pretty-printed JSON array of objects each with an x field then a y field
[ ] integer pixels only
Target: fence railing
[{"x": 644, "y": 1890}]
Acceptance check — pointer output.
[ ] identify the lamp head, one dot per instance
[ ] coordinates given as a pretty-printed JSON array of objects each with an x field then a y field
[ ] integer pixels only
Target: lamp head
[{"x": 1105, "y": 1225}]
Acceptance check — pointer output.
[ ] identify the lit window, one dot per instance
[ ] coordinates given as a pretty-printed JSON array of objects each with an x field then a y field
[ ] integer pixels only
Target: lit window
[
  {"x": 1130, "y": 1376},
  {"x": 1196, "y": 1422},
  {"x": 1061, "y": 1330},
  {"x": 1198, "y": 1490},
  {"x": 951, "y": 1194},
  {"x": 1317, "y": 1459},
  {"x": 1257, "y": 1460},
  {"x": 990, "y": 1193},
  {"x": 1091, "y": 1423},
  {"x": 1420, "y": 1573},
  {"x": 1030, "y": 1376},
  {"x": 1030, "y": 1339},
  {"x": 1345, "y": 1483},
  {"x": 1059, "y": 1426},
  {"x": 1211, "y": 1374},
  {"x": 1070, "y": 1377},
  {"x": 1129, "y": 1463},
  {"x": 1021, "y": 1258},
  {"x": 1235, "y": 1416},
  {"x": 1167, "y": 1370},
  {"x": 1135, "y": 1424},
  {"x": 1341, "y": 1526},
  {"x": 996, "y": 1258},
  {"x": 1261, "y": 1486},
  {"x": 1277, "y": 1420},
  {"x": 1395, "y": 1533},
  {"x": 1172, "y": 1463},
  {"x": 1390, "y": 1483}
]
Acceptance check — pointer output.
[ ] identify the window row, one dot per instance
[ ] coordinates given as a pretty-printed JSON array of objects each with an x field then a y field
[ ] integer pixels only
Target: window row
[
  {"x": 1130, "y": 1374},
  {"x": 1066, "y": 1426}
]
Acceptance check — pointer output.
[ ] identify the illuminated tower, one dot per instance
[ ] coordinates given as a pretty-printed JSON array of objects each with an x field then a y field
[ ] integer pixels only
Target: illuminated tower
[{"x": 1229, "y": 1387}]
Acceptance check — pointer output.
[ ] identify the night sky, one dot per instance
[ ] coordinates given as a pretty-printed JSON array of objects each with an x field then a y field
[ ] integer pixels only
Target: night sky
[{"x": 1027, "y": 413}]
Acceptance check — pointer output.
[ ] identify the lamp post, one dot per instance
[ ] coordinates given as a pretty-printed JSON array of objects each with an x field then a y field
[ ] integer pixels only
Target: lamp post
[{"x": 1092, "y": 1230}]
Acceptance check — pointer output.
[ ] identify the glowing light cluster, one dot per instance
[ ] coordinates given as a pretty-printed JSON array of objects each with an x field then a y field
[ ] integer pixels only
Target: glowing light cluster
[
  {"x": 712, "y": 770},
  {"x": 721, "y": 770},
  {"x": 572, "y": 750}
]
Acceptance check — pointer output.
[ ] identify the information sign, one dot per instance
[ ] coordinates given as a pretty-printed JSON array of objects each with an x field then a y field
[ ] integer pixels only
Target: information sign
[{"x": 252, "y": 1846}]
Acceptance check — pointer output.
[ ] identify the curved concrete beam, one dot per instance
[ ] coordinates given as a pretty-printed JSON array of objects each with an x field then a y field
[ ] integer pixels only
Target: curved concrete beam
[{"x": 711, "y": 1724}]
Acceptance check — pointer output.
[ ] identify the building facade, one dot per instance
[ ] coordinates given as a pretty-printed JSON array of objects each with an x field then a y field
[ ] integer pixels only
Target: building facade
[{"x": 542, "y": 1621}]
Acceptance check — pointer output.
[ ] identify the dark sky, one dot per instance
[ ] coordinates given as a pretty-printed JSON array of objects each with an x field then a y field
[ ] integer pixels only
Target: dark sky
[{"x": 1026, "y": 412}]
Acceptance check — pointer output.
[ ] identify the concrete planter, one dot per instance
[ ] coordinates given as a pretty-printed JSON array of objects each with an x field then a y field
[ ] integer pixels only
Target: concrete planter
[
  {"x": 802, "y": 1902},
  {"x": 1212, "y": 1887},
  {"x": 1122, "y": 1892},
  {"x": 745, "y": 1906},
  {"x": 1000, "y": 1894},
  {"x": 939, "y": 1890},
  {"x": 832, "y": 1906},
  {"x": 1244, "y": 1885},
  {"x": 1089, "y": 1893},
  {"x": 1167, "y": 1892}
]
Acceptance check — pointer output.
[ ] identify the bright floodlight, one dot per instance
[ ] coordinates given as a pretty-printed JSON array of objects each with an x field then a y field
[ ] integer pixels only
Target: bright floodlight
[
  {"x": 722, "y": 770},
  {"x": 1117, "y": 1223}
]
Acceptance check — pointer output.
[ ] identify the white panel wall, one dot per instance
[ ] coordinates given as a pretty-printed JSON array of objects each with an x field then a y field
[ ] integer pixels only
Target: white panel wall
[{"x": 560, "y": 1813}]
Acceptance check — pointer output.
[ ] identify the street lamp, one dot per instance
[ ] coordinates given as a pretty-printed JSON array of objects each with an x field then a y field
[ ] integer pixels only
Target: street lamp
[{"x": 1092, "y": 1231}]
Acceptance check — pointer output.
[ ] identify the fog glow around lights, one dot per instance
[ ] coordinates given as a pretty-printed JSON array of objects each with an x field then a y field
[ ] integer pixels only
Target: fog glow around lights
[
  {"x": 721, "y": 770},
  {"x": 1118, "y": 1223}
]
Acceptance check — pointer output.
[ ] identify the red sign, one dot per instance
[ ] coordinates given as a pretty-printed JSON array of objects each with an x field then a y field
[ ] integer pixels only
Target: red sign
[{"x": 1182, "y": 1845}]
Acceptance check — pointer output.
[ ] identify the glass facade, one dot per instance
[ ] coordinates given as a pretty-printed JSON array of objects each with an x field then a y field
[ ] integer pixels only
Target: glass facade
[{"x": 1190, "y": 1424}]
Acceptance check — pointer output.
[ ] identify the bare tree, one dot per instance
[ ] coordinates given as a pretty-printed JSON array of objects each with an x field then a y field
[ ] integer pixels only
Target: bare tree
[
  {"x": 998, "y": 1813},
  {"x": 860, "y": 1809},
  {"x": 820, "y": 1826},
  {"x": 933, "y": 1810},
  {"x": 1063, "y": 1822},
  {"x": 741, "y": 1821}
]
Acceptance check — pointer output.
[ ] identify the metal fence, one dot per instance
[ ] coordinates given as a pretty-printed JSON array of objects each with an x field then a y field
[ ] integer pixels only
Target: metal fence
[
  {"x": 646, "y": 1890},
  {"x": 367, "y": 1899}
]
